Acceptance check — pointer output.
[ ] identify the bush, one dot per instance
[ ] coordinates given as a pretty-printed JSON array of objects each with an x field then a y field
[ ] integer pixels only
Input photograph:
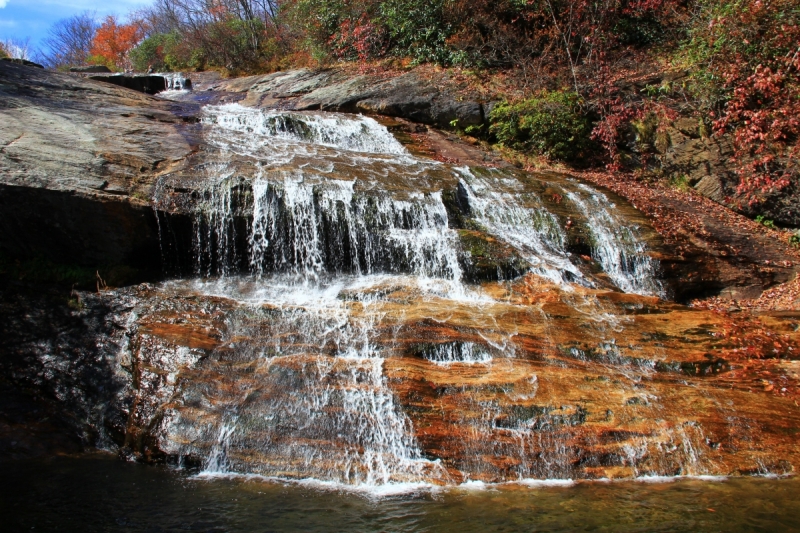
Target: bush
[
  {"x": 551, "y": 124},
  {"x": 417, "y": 29},
  {"x": 794, "y": 239},
  {"x": 153, "y": 52},
  {"x": 746, "y": 73}
]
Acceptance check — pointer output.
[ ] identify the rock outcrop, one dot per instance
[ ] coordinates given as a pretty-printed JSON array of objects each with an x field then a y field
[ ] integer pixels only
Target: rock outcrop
[
  {"x": 703, "y": 162},
  {"x": 91, "y": 69},
  {"x": 78, "y": 159},
  {"x": 143, "y": 83},
  {"x": 406, "y": 96},
  {"x": 527, "y": 376}
]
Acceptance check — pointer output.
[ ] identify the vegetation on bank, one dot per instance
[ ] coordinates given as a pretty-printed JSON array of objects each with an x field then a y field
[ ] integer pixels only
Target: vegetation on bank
[{"x": 567, "y": 63}]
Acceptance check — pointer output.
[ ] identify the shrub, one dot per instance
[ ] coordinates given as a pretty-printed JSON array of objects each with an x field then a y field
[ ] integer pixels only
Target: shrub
[
  {"x": 152, "y": 52},
  {"x": 551, "y": 124},
  {"x": 794, "y": 239},
  {"x": 767, "y": 223},
  {"x": 417, "y": 29},
  {"x": 746, "y": 65}
]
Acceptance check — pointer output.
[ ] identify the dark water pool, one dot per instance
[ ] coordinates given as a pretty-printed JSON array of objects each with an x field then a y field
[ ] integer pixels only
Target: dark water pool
[{"x": 99, "y": 493}]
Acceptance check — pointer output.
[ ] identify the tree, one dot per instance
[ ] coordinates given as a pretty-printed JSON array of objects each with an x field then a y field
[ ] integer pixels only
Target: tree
[
  {"x": 113, "y": 41},
  {"x": 17, "y": 48},
  {"x": 69, "y": 41}
]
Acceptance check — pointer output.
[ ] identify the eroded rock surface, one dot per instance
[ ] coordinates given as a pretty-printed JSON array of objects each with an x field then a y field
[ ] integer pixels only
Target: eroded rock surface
[
  {"x": 520, "y": 387},
  {"x": 78, "y": 160}
]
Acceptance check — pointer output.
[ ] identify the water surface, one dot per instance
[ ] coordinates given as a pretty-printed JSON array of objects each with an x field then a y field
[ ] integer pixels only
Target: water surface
[{"x": 101, "y": 493}]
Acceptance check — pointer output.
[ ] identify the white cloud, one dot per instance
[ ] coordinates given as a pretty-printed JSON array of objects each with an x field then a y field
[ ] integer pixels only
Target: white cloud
[{"x": 3, "y": 3}]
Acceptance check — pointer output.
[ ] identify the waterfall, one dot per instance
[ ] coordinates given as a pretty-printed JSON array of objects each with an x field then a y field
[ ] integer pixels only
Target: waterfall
[
  {"x": 334, "y": 249},
  {"x": 616, "y": 245},
  {"x": 176, "y": 81},
  {"x": 531, "y": 228},
  {"x": 310, "y": 396},
  {"x": 358, "y": 133},
  {"x": 310, "y": 230}
]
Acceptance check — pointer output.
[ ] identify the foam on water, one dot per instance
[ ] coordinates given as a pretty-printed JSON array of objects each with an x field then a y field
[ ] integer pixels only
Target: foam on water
[{"x": 355, "y": 133}]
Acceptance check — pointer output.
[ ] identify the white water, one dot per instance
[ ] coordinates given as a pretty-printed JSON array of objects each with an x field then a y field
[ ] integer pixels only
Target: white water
[
  {"x": 314, "y": 229},
  {"x": 533, "y": 231},
  {"x": 176, "y": 81},
  {"x": 467, "y": 353},
  {"x": 324, "y": 249},
  {"x": 355, "y": 133},
  {"x": 617, "y": 247}
]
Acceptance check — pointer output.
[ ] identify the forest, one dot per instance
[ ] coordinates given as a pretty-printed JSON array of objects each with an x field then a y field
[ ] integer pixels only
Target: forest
[{"x": 561, "y": 69}]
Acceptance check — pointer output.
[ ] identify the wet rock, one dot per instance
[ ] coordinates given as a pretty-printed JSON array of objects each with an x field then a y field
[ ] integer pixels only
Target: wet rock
[
  {"x": 496, "y": 391},
  {"x": 484, "y": 258},
  {"x": 62, "y": 379}
]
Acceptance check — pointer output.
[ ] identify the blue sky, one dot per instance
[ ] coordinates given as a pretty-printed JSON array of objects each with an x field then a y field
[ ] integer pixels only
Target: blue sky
[{"x": 21, "y": 19}]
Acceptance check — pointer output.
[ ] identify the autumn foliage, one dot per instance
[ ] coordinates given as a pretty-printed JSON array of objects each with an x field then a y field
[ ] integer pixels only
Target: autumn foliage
[
  {"x": 742, "y": 58},
  {"x": 113, "y": 41},
  {"x": 754, "y": 52}
]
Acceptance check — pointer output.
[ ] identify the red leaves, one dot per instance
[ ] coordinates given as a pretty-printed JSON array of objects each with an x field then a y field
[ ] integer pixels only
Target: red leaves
[
  {"x": 113, "y": 41},
  {"x": 763, "y": 112},
  {"x": 361, "y": 39}
]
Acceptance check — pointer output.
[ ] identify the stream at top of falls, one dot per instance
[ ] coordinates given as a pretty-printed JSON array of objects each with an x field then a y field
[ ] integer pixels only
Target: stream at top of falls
[{"x": 363, "y": 317}]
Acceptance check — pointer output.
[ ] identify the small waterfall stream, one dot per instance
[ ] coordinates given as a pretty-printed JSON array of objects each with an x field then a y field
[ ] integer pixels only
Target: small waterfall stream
[{"x": 338, "y": 256}]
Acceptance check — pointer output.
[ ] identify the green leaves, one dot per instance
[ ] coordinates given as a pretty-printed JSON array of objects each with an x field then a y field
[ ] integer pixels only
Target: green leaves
[
  {"x": 552, "y": 125},
  {"x": 417, "y": 29}
]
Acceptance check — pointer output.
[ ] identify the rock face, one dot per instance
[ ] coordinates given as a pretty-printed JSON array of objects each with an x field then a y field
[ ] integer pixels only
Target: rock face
[
  {"x": 84, "y": 158},
  {"x": 705, "y": 163},
  {"x": 142, "y": 83},
  {"x": 93, "y": 69},
  {"x": 525, "y": 388},
  {"x": 78, "y": 160},
  {"x": 24, "y": 62},
  {"x": 406, "y": 96}
]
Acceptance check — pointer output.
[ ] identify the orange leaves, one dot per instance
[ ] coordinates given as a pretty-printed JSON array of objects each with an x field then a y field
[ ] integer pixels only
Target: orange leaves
[{"x": 113, "y": 41}]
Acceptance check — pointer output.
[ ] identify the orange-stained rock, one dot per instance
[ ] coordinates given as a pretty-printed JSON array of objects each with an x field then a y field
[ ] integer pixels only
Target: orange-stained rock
[{"x": 541, "y": 383}]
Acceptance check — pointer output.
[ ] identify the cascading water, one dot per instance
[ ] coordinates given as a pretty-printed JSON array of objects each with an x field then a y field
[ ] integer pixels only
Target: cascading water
[
  {"x": 176, "y": 81},
  {"x": 616, "y": 245},
  {"x": 531, "y": 229},
  {"x": 340, "y": 255},
  {"x": 311, "y": 230}
]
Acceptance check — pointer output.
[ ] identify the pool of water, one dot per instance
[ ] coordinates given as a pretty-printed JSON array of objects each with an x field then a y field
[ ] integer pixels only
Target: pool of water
[{"x": 102, "y": 493}]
